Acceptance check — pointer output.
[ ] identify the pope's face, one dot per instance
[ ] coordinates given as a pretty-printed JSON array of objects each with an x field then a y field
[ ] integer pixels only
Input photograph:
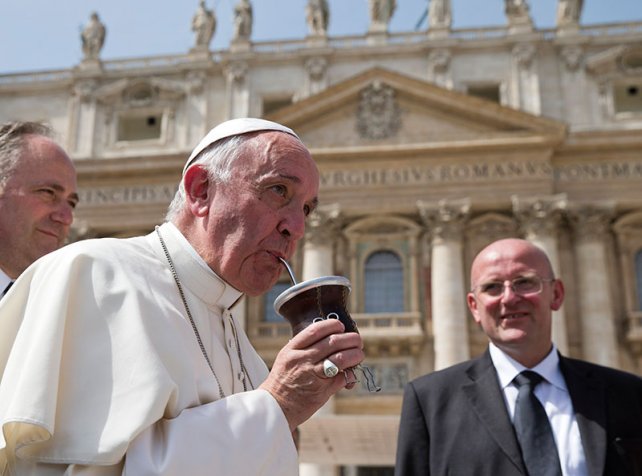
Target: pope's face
[
  {"x": 36, "y": 204},
  {"x": 259, "y": 214},
  {"x": 520, "y": 325}
]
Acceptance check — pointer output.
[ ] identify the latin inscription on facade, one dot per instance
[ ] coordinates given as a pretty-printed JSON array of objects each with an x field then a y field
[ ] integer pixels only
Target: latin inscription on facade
[
  {"x": 481, "y": 172},
  {"x": 125, "y": 195},
  {"x": 444, "y": 173}
]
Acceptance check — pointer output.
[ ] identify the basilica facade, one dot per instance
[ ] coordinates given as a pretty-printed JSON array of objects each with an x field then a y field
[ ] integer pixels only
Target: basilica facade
[{"x": 430, "y": 145}]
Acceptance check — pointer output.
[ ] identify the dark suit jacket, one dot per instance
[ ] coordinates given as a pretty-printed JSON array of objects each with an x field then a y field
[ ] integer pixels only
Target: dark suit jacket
[{"x": 455, "y": 421}]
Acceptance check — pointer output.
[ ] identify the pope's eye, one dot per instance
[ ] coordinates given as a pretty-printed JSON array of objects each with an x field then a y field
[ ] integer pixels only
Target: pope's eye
[{"x": 280, "y": 189}]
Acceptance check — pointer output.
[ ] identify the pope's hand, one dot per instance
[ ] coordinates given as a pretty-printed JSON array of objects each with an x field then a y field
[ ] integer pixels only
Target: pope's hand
[{"x": 297, "y": 380}]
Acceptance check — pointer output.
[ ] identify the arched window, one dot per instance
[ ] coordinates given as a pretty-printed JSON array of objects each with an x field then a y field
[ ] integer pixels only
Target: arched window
[
  {"x": 638, "y": 277},
  {"x": 383, "y": 283},
  {"x": 270, "y": 314}
]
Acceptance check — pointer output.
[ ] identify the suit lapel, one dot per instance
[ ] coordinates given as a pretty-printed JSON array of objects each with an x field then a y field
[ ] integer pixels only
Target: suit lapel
[
  {"x": 588, "y": 396},
  {"x": 487, "y": 400}
]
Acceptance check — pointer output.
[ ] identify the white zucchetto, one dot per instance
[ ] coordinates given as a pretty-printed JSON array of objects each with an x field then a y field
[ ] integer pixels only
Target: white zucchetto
[{"x": 235, "y": 127}]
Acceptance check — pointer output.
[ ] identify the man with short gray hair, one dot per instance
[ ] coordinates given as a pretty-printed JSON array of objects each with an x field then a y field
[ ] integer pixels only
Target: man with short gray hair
[{"x": 37, "y": 197}]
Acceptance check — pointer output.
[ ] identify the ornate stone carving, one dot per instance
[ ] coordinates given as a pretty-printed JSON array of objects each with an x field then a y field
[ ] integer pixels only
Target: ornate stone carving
[
  {"x": 323, "y": 225},
  {"x": 439, "y": 66},
  {"x": 84, "y": 90},
  {"x": 524, "y": 54},
  {"x": 196, "y": 81},
  {"x": 93, "y": 38},
  {"x": 236, "y": 71},
  {"x": 316, "y": 67},
  {"x": 490, "y": 227},
  {"x": 378, "y": 113},
  {"x": 140, "y": 95},
  {"x": 572, "y": 56},
  {"x": 445, "y": 219},
  {"x": 317, "y": 15},
  {"x": 539, "y": 216},
  {"x": 203, "y": 26},
  {"x": 439, "y": 60},
  {"x": 590, "y": 221}
]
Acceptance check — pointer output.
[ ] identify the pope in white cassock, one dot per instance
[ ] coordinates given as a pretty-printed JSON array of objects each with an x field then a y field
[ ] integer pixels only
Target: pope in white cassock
[{"x": 124, "y": 356}]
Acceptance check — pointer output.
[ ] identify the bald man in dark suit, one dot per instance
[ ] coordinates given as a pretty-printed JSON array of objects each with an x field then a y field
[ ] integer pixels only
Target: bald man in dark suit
[{"x": 460, "y": 420}]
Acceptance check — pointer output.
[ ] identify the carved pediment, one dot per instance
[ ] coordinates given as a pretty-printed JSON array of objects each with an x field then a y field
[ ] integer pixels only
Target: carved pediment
[
  {"x": 141, "y": 92},
  {"x": 379, "y": 107},
  {"x": 615, "y": 61}
]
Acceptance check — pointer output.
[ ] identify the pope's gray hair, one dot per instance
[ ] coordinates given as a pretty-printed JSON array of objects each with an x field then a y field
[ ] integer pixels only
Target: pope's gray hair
[
  {"x": 219, "y": 160},
  {"x": 12, "y": 142}
]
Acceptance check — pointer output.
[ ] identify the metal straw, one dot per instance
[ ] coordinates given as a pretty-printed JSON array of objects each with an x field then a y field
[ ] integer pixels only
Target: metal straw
[{"x": 287, "y": 266}]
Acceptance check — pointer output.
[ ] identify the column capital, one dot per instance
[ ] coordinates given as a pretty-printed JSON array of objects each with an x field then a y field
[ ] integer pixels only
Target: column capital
[
  {"x": 572, "y": 56},
  {"x": 323, "y": 225},
  {"x": 539, "y": 216},
  {"x": 445, "y": 219},
  {"x": 524, "y": 54},
  {"x": 591, "y": 221},
  {"x": 316, "y": 67},
  {"x": 236, "y": 71}
]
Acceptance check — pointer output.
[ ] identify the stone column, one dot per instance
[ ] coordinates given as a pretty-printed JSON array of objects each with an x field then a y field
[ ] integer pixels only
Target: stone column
[
  {"x": 574, "y": 107},
  {"x": 539, "y": 219},
  {"x": 525, "y": 83},
  {"x": 198, "y": 120},
  {"x": 83, "y": 107},
  {"x": 322, "y": 229},
  {"x": 445, "y": 222},
  {"x": 439, "y": 68},
  {"x": 316, "y": 79},
  {"x": 238, "y": 95},
  {"x": 599, "y": 339}
]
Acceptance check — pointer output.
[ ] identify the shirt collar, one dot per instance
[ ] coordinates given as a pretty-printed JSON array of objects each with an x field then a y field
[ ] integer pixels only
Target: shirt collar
[
  {"x": 507, "y": 368},
  {"x": 193, "y": 272}
]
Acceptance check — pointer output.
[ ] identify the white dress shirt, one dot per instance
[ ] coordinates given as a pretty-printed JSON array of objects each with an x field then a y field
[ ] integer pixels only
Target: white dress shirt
[{"x": 553, "y": 394}]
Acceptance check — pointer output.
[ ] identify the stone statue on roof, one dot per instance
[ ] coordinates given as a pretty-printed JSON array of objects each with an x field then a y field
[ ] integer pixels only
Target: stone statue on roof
[
  {"x": 381, "y": 11},
  {"x": 93, "y": 37},
  {"x": 203, "y": 25},
  {"x": 569, "y": 12},
  {"x": 242, "y": 21},
  {"x": 317, "y": 15},
  {"x": 439, "y": 14}
]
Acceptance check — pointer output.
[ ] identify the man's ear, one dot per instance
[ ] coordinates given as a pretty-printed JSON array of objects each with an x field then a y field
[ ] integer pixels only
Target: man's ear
[
  {"x": 558, "y": 295},
  {"x": 197, "y": 190},
  {"x": 472, "y": 305}
]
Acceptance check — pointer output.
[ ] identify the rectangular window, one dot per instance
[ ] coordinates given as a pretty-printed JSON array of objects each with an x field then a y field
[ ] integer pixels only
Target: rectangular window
[
  {"x": 139, "y": 127},
  {"x": 275, "y": 103},
  {"x": 627, "y": 97},
  {"x": 490, "y": 92}
]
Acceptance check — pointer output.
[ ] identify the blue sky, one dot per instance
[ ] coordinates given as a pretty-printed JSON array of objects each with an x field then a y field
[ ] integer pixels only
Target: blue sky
[{"x": 39, "y": 35}]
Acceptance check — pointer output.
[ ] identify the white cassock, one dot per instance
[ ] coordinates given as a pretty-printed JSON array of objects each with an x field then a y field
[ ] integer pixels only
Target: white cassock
[{"x": 102, "y": 373}]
